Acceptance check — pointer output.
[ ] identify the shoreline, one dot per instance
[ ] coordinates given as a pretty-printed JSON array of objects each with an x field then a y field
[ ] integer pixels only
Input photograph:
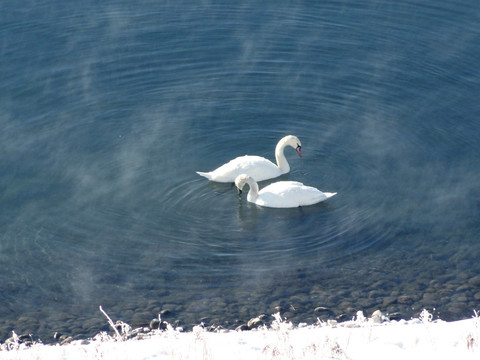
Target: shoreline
[
  {"x": 360, "y": 338},
  {"x": 323, "y": 316}
]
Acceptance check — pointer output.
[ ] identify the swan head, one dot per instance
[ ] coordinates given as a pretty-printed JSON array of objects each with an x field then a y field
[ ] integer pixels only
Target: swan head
[
  {"x": 240, "y": 182},
  {"x": 293, "y": 141}
]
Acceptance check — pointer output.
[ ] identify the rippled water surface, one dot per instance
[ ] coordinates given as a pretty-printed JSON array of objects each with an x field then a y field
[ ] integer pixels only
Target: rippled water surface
[{"x": 108, "y": 109}]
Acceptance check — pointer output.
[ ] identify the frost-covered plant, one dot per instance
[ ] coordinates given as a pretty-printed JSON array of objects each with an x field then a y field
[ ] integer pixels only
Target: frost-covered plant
[
  {"x": 282, "y": 346},
  {"x": 122, "y": 330},
  {"x": 473, "y": 336},
  {"x": 18, "y": 342},
  {"x": 102, "y": 337},
  {"x": 336, "y": 351},
  {"x": 425, "y": 316},
  {"x": 198, "y": 333},
  {"x": 200, "y": 338},
  {"x": 360, "y": 319},
  {"x": 12, "y": 343},
  {"x": 279, "y": 324}
]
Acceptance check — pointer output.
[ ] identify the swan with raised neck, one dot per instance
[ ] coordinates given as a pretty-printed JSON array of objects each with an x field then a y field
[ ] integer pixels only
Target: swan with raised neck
[
  {"x": 256, "y": 166},
  {"x": 289, "y": 140}
]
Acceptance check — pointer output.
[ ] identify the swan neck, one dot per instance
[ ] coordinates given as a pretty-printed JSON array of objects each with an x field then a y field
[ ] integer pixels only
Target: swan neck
[
  {"x": 282, "y": 162},
  {"x": 253, "y": 192}
]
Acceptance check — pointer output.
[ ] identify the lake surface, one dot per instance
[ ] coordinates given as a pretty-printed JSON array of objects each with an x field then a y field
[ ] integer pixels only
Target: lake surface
[{"x": 108, "y": 109}]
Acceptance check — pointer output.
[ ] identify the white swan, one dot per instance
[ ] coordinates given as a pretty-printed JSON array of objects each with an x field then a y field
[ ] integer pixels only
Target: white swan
[
  {"x": 257, "y": 167},
  {"x": 282, "y": 194}
]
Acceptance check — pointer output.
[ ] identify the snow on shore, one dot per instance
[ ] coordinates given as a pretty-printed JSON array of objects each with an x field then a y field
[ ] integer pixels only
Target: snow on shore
[{"x": 360, "y": 338}]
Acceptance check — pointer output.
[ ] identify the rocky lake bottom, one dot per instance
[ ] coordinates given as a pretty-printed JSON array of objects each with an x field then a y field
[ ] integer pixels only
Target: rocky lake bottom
[{"x": 394, "y": 287}]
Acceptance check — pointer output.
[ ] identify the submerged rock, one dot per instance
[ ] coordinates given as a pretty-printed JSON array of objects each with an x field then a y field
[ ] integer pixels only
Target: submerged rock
[
  {"x": 322, "y": 313},
  {"x": 242, "y": 327},
  {"x": 64, "y": 339},
  {"x": 404, "y": 299},
  {"x": 156, "y": 324},
  {"x": 343, "y": 317},
  {"x": 475, "y": 281},
  {"x": 322, "y": 309},
  {"x": 395, "y": 316},
  {"x": 254, "y": 323}
]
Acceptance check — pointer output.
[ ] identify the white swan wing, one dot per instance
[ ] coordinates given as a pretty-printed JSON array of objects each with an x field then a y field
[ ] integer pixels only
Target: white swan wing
[
  {"x": 287, "y": 194},
  {"x": 257, "y": 167}
]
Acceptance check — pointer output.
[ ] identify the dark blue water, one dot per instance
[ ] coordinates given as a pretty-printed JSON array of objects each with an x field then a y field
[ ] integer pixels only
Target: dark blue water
[{"x": 108, "y": 109}]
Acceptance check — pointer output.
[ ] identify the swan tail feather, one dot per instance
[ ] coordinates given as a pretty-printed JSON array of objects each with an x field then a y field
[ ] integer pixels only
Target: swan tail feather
[
  {"x": 205, "y": 174},
  {"x": 329, "y": 194}
]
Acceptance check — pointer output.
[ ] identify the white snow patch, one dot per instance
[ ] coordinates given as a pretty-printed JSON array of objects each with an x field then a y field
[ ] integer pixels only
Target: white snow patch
[{"x": 360, "y": 338}]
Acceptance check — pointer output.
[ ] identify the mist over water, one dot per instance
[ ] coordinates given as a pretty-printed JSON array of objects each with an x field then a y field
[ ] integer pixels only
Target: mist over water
[{"x": 107, "y": 111}]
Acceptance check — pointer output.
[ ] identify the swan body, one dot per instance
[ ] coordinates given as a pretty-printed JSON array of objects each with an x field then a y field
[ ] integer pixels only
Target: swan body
[
  {"x": 256, "y": 166},
  {"x": 282, "y": 194}
]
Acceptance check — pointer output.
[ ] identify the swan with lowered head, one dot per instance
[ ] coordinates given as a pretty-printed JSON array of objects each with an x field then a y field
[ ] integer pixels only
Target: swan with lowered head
[
  {"x": 282, "y": 194},
  {"x": 256, "y": 166}
]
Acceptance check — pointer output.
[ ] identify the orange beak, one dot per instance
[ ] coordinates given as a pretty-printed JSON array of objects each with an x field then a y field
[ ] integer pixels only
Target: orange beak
[{"x": 299, "y": 150}]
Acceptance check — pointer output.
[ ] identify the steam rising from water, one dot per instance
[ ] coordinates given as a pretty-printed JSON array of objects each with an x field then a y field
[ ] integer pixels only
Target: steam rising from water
[{"x": 107, "y": 114}]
